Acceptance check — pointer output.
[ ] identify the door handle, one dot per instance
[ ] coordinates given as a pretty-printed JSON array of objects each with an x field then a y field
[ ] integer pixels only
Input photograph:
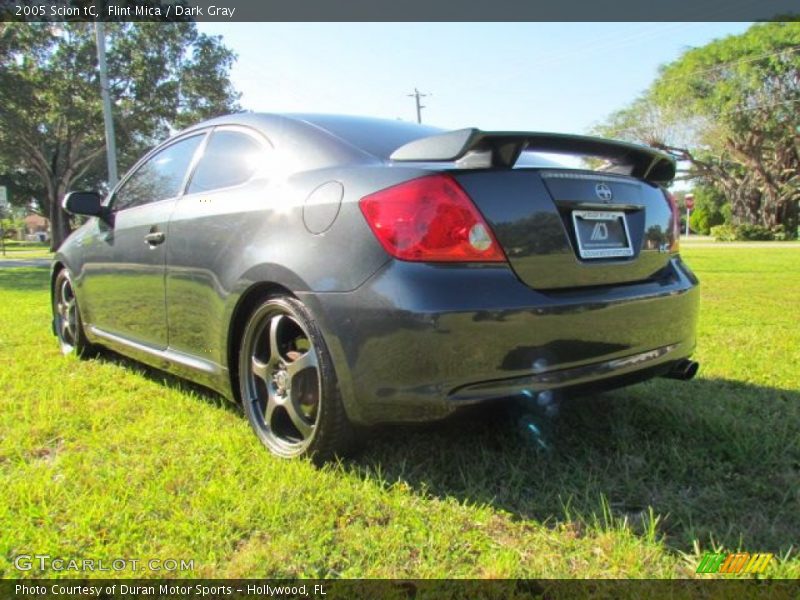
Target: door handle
[{"x": 154, "y": 238}]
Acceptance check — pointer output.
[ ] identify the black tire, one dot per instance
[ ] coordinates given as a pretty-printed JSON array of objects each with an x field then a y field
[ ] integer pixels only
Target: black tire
[
  {"x": 288, "y": 386},
  {"x": 67, "y": 321}
]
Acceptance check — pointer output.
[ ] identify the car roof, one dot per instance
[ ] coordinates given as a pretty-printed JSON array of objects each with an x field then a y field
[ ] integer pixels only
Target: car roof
[
  {"x": 379, "y": 137},
  {"x": 374, "y": 136},
  {"x": 326, "y": 139}
]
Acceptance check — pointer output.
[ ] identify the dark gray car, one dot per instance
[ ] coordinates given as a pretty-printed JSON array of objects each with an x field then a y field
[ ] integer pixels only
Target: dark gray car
[{"x": 329, "y": 271}]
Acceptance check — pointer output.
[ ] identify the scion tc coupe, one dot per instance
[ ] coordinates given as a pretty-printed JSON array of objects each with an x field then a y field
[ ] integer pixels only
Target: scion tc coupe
[{"x": 328, "y": 272}]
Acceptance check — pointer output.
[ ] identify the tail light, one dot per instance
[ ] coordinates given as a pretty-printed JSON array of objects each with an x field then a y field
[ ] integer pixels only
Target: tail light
[
  {"x": 430, "y": 219},
  {"x": 676, "y": 223}
]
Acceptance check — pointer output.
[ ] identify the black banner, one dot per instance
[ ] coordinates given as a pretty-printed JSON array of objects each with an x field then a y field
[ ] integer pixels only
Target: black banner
[
  {"x": 392, "y": 10},
  {"x": 220, "y": 589}
]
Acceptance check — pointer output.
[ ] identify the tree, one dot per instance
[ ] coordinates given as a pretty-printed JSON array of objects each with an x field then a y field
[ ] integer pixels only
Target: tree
[
  {"x": 731, "y": 111},
  {"x": 162, "y": 76},
  {"x": 709, "y": 209},
  {"x": 22, "y": 186}
]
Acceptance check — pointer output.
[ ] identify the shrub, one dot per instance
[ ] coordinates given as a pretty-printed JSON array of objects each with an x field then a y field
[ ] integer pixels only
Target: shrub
[
  {"x": 749, "y": 233},
  {"x": 710, "y": 208},
  {"x": 724, "y": 233},
  {"x": 702, "y": 219},
  {"x": 781, "y": 233},
  {"x": 698, "y": 220}
]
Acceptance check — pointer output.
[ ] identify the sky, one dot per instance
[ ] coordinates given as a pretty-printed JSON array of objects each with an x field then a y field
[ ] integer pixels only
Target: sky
[{"x": 562, "y": 77}]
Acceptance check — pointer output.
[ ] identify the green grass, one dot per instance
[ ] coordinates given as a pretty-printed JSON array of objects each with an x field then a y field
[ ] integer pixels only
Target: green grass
[
  {"x": 25, "y": 250},
  {"x": 105, "y": 459}
]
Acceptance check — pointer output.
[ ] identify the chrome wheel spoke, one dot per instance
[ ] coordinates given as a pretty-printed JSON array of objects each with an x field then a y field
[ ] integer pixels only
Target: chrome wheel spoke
[
  {"x": 65, "y": 329},
  {"x": 306, "y": 361},
  {"x": 260, "y": 369},
  {"x": 72, "y": 315},
  {"x": 274, "y": 347},
  {"x": 269, "y": 410}
]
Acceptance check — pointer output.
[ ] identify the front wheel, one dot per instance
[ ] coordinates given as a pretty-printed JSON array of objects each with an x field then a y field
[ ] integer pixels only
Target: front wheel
[
  {"x": 67, "y": 321},
  {"x": 287, "y": 383}
]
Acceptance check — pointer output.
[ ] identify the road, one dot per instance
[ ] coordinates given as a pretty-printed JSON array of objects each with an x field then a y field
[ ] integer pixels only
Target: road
[{"x": 24, "y": 262}]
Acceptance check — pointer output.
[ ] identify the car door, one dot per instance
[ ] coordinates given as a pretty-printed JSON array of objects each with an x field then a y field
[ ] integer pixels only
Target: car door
[
  {"x": 127, "y": 293},
  {"x": 206, "y": 232}
]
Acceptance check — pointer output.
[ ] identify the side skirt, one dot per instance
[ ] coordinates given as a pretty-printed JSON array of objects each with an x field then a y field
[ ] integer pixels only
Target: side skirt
[{"x": 186, "y": 366}]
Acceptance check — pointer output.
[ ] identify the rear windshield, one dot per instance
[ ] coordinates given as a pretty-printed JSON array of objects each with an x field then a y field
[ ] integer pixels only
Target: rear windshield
[
  {"x": 541, "y": 160},
  {"x": 379, "y": 137}
]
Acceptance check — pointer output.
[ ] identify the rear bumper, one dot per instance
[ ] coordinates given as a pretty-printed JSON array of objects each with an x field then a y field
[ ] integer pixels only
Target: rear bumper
[{"x": 417, "y": 341}]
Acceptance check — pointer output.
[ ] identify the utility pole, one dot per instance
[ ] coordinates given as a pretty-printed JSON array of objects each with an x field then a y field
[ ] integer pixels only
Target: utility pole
[
  {"x": 111, "y": 145},
  {"x": 416, "y": 95},
  {"x": 689, "y": 201},
  {"x": 3, "y": 206}
]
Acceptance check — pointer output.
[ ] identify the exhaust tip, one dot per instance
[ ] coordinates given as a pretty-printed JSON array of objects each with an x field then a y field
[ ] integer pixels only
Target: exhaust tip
[
  {"x": 683, "y": 369},
  {"x": 692, "y": 368}
]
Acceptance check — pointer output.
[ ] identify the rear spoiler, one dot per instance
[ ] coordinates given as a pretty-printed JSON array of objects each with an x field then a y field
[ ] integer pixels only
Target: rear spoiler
[{"x": 502, "y": 149}]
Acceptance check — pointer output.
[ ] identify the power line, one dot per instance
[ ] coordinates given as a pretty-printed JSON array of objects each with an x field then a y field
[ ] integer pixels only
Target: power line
[
  {"x": 757, "y": 106},
  {"x": 721, "y": 113},
  {"x": 594, "y": 47},
  {"x": 520, "y": 68},
  {"x": 718, "y": 114},
  {"x": 787, "y": 50},
  {"x": 726, "y": 112}
]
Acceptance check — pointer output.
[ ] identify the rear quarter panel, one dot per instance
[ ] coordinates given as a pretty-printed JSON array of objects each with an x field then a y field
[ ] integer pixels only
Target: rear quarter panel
[{"x": 224, "y": 242}]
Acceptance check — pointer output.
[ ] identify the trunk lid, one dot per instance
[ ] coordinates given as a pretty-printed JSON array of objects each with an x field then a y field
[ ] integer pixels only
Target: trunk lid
[{"x": 548, "y": 221}]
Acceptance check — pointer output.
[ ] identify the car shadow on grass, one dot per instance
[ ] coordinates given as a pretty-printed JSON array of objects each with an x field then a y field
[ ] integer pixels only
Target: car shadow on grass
[
  {"x": 717, "y": 460},
  {"x": 168, "y": 380}
]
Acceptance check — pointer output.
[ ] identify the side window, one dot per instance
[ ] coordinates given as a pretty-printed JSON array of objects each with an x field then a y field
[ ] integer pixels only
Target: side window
[
  {"x": 160, "y": 177},
  {"x": 230, "y": 158}
]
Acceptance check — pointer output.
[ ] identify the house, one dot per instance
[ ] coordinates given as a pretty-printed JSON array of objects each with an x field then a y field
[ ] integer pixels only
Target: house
[{"x": 37, "y": 228}]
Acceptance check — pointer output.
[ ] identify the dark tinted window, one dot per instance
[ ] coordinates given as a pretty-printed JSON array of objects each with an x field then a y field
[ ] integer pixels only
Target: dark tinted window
[
  {"x": 160, "y": 177},
  {"x": 379, "y": 137},
  {"x": 230, "y": 158}
]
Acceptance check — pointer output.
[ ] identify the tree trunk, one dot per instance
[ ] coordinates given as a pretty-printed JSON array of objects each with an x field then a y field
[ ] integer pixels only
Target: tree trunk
[
  {"x": 59, "y": 219},
  {"x": 789, "y": 217}
]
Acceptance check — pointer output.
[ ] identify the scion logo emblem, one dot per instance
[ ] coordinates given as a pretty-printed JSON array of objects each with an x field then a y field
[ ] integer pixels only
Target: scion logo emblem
[
  {"x": 603, "y": 192},
  {"x": 600, "y": 232}
]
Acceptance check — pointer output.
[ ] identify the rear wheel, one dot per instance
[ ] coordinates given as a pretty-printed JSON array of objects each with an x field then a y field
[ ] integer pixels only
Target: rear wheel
[
  {"x": 67, "y": 318},
  {"x": 288, "y": 385}
]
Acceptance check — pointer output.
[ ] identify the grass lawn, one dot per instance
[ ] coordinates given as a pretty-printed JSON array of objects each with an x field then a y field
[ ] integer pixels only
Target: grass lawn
[
  {"x": 25, "y": 250},
  {"x": 104, "y": 459}
]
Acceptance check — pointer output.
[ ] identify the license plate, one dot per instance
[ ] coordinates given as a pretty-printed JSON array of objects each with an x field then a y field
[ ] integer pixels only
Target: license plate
[{"x": 601, "y": 234}]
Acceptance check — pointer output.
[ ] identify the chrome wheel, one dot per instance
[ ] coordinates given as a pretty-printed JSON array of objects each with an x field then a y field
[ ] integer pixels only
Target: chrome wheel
[
  {"x": 281, "y": 379},
  {"x": 67, "y": 319}
]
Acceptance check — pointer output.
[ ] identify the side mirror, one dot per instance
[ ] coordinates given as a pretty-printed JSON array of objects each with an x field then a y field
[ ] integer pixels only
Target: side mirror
[{"x": 89, "y": 204}]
